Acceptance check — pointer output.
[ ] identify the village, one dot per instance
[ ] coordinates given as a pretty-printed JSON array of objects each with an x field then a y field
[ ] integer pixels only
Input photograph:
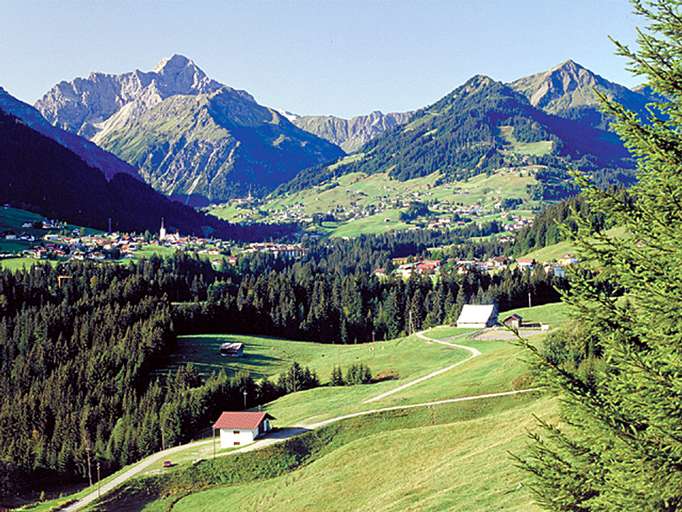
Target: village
[
  {"x": 51, "y": 240},
  {"x": 443, "y": 215},
  {"x": 439, "y": 214},
  {"x": 406, "y": 267}
]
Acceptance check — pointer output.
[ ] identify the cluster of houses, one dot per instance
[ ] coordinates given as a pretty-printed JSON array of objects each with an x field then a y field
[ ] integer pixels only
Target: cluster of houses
[
  {"x": 498, "y": 263},
  {"x": 405, "y": 267},
  {"x": 73, "y": 244},
  {"x": 287, "y": 251},
  {"x": 481, "y": 316}
]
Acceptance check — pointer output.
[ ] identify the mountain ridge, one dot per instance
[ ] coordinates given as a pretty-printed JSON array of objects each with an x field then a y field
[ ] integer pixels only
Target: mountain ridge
[
  {"x": 481, "y": 125},
  {"x": 192, "y": 137},
  {"x": 91, "y": 154},
  {"x": 352, "y": 133},
  {"x": 567, "y": 90}
]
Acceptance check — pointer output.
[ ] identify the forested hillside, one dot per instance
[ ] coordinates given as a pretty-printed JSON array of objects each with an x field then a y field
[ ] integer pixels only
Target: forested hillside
[
  {"x": 126, "y": 321},
  {"x": 481, "y": 126},
  {"x": 40, "y": 175}
]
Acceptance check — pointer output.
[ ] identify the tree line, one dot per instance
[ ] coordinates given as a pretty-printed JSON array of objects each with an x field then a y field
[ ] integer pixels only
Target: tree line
[{"x": 78, "y": 355}]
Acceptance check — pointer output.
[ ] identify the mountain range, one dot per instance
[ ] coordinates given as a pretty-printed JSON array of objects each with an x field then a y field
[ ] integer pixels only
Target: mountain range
[
  {"x": 350, "y": 134},
  {"x": 481, "y": 126},
  {"x": 61, "y": 175},
  {"x": 198, "y": 140},
  {"x": 190, "y": 136}
]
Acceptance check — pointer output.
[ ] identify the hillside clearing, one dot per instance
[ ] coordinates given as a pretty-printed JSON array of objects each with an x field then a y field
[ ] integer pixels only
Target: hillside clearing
[{"x": 427, "y": 459}]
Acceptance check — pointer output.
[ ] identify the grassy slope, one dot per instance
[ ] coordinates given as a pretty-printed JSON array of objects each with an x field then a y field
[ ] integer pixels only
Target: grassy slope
[
  {"x": 500, "y": 368},
  {"x": 552, "y": 252},
  {"x": 539, "y": 148},
  {"x": 442, "y": 440},
  {"x": 556, "y": 251},
  {"x": 429, "y": 465},
  {"x": 363, "y": 190},
  {"x": 265, "y": 356}
]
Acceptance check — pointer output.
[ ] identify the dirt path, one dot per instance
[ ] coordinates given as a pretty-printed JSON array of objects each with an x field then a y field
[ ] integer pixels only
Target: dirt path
[
  {"x": 473, "y": 352},
  {"x": 279, "y": 436}
]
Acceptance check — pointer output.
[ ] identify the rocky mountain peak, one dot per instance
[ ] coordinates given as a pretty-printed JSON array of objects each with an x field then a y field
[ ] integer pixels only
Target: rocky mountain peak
[
  {"x": 479, "y": 81},
  {"x": 571, "y": 74},
  {"x": 85, "y": 105},
  {"x": 568, "y": 90},
  {"x": 174, "y": 63}
]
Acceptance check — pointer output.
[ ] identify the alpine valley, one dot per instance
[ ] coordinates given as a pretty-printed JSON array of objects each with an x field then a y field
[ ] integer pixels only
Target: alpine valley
[
  {"x": 207, "y": 303},
  {"x": 485, "y": 149}
]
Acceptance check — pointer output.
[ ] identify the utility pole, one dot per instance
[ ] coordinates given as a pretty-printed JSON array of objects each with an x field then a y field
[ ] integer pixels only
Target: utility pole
[
  {"x": 530, "y": 305},
  {"x": 87, "y": 450},
  {"x": 244, "y": 399},
  {"x": 99, "y": 485},
  {"x": 214, "y": 443}
]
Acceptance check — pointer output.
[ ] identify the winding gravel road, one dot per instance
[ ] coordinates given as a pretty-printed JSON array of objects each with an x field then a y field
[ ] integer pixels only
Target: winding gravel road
[
  {"x": 281, "y": 435},
  {"x": 473, "y": 352}
]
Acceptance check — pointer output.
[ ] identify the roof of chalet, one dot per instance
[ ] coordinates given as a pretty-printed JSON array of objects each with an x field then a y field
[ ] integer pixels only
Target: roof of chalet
[
  {"x": 513, "y": 316},
  {"x": 241, "y": 420},
  {"x": 232, "y": 346},
  {"x": 476, "y": 314}
]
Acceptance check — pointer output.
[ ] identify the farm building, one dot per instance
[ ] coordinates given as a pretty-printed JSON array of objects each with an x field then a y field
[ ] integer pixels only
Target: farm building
[
  {"x": 525, "y": 263},
  {"x": 477, "y": 316},
  {"x": 240, "y": 428},
  {"x": 232, "y": 349},
  {"x": 513, "y": 321}
]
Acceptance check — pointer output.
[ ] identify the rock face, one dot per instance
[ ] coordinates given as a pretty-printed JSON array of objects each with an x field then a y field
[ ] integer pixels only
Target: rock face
[
  {"x": 192, "y": 137},
  {"x": 567, "y": 90},
  {"x": 351, "y": 134},
  {"x": 89, "y": 152},
  {"x": 83, "y": 105}
]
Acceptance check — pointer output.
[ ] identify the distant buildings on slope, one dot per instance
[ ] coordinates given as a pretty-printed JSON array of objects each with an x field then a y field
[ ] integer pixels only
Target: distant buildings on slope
[{"x": 406, "y": 267}]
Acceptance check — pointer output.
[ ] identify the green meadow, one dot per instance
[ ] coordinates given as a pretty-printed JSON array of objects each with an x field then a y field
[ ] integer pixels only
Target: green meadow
[{"x": 440, "y": 457}]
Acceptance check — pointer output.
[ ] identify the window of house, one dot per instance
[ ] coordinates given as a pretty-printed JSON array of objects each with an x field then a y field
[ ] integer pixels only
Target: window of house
[
  {"x": 235, "y": 432},
  {"x": 237, "y": 443}
]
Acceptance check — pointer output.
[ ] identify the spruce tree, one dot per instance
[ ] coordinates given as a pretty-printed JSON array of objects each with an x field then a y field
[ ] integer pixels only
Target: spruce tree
[{"x": 618, "y": 445}]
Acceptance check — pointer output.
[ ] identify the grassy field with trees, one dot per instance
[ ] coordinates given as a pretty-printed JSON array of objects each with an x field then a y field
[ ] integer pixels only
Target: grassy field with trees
[{"x": 454, "y": 432}]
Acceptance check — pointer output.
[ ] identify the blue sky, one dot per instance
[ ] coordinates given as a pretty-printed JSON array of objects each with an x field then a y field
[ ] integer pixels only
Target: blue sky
[{"x": 314, "y": 56}]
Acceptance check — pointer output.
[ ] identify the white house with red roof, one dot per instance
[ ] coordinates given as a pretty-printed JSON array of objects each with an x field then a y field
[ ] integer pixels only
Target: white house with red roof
[{"x": 240, "y": 428}]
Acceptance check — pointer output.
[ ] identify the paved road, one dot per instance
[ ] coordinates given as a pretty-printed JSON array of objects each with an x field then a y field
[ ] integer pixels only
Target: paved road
[
  {"x": 279, "y": 436},
  {"x": 473, "y": 352},
  {"x": 136, "y": 469}
]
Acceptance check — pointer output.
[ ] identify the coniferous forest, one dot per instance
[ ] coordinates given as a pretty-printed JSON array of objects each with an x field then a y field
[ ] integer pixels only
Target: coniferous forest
[
  {"x": 617, "y": 367},
  {"x": 78, "y": 342}
]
